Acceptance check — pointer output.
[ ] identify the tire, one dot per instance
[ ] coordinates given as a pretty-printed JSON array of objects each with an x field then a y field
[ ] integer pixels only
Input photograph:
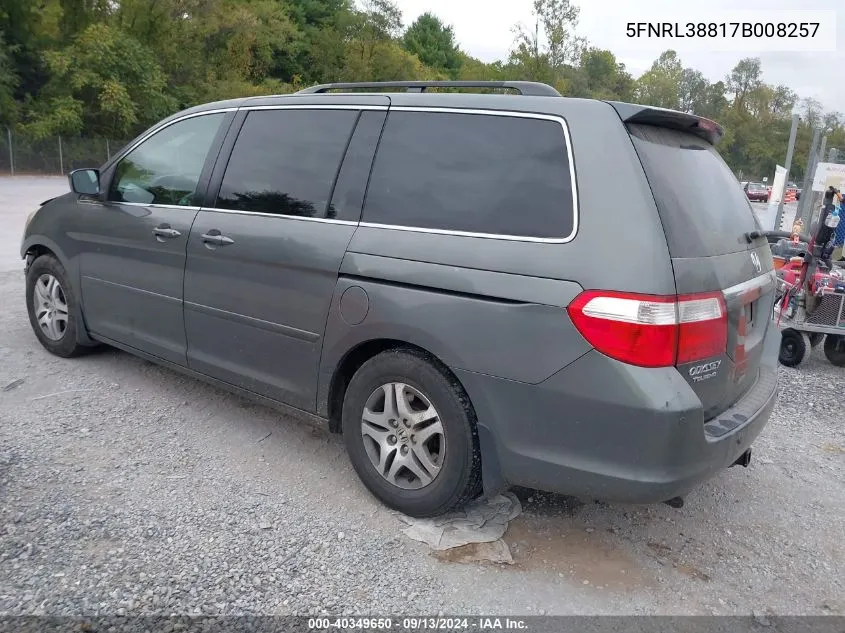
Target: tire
[
  {"x": 449, "y": 452},
  {"x": 816, "y": 338},
  {"x": 834, "y": 349},
  {"x": 794, "y": 347},
  {"x": 59, "y": 338}
]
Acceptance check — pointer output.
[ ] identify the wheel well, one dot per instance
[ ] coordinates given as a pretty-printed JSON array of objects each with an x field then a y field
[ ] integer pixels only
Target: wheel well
[
  {"x": 352, "y": 362},
  {"x": 37, "y": 250}
]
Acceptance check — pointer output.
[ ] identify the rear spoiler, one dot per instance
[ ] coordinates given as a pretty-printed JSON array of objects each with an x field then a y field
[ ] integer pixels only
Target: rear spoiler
[{"x": 709, "y": 130}]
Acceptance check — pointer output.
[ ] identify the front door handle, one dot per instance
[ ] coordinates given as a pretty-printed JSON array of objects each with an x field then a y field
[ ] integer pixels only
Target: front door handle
[
  {"x": 214, "y": 237},
  {"x": 165, "y": 231}
]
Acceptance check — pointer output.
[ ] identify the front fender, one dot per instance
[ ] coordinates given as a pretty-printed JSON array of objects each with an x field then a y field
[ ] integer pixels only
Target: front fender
[{"x": 42, "y": 241}]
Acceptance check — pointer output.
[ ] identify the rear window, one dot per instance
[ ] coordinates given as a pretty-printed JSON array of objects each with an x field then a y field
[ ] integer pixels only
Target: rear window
[
  {"x": 476, "y": 173},
  {"x": 703, "y": 210}
]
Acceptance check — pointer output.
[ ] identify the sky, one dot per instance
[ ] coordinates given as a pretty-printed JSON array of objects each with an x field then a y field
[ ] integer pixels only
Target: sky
[{"x": 484, "y": 29}]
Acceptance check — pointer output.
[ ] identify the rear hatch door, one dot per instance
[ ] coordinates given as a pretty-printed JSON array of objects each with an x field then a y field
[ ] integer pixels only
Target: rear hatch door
[{"x": 705, "y": 216}]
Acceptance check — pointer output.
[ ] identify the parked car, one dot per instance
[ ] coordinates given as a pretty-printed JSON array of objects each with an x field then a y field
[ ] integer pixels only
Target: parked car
[
  {"x": 421, "y": 271},
  {"x": 757, "y": 192}
]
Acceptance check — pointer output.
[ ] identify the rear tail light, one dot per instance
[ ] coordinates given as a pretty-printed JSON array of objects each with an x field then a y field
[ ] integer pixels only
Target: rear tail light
[
  {"x": 702, "y": 327},
  {"x": 649, "y": 330}
]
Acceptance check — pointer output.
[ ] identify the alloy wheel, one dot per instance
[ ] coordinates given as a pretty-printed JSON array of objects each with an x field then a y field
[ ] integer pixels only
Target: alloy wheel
[
  {"x": 50, "y": 307},
  {"x": 403, "y": 436}
]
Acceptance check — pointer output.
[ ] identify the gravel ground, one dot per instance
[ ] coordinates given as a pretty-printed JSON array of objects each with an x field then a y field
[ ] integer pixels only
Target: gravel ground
[{"x": 126, "y": 488}]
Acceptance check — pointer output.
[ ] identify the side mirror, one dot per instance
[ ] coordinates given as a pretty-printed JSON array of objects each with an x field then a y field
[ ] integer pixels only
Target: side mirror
[{"x": 85, "y": 181}]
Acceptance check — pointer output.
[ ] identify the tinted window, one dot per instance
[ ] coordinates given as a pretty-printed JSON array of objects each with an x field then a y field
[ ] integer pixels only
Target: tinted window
[
  {"x": 351, "y": 183},
  {"x": 285, "y": 161},
  {"x": 703, "y": 210},
  {"x": 471, "y": 172},
  {"x": 166, "y": 168}
]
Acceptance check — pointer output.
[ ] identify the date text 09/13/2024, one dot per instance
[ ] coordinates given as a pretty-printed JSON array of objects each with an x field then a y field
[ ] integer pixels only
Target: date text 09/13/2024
[
  {"x": 679, "y": 30},
  {"x": 414, "y": 624}
]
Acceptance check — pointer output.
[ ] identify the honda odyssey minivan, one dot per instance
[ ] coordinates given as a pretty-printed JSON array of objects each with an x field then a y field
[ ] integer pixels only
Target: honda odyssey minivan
[{"x": 444, "y": 277}]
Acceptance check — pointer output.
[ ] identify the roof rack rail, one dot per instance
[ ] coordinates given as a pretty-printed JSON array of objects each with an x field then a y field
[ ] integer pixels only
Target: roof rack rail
[{"x": 527, "y": 88}]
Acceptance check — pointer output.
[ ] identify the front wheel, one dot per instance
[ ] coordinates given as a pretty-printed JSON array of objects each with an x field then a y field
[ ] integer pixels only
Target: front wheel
[
  {"x": 834, "y": 349},
  {"x": 794, "y": 347},
  {"x": 410, "y": 432},
  {"x": 51, "y": 305}
]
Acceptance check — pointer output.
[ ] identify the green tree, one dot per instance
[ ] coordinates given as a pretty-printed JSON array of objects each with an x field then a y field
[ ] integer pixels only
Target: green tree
[
  {"x": 8, "y": 84},
  {"x": 434, "y": 44},
  {"x": 745, "y": 77},
  {"x": 317, "y": 52},
  {"x": 24, "y": 44},
  {"x": 379, "y": 21},
  {"x": 389, "y": 62},
  {"x": 474, "y": 69},
  {"x": 104, "y": 82},
  {"x": 812, "y": 112},
  {"x": 604, "y": 77},
  {"x": 550, "y": 44},
  {"x": 783, "y": 101},
  {"x": 692, "y": 91},
  {"x": 661, "y": 84},
  {"x": 77, "y": 15},
  {"x": 716, "y": 102}
]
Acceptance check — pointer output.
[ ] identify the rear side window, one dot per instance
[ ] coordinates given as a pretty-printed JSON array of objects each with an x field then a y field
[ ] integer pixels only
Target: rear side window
[
  {"x": 477, "y": 173},
  {"x": 703, "y": 210},
  {"x": 285, "y": 161}
]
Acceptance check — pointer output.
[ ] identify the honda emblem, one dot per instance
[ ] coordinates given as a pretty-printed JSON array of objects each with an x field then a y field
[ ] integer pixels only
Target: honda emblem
[{"x": 755, "y": 259}]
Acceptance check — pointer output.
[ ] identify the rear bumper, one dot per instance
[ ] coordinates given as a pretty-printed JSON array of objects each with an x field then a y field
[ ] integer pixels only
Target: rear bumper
[{"x": 600, "y": 429}]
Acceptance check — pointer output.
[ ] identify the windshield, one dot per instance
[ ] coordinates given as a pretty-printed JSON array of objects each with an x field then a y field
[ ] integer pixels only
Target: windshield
[
  {"x": 755, "y": 186},
  {"x": 703, "y": 209}
]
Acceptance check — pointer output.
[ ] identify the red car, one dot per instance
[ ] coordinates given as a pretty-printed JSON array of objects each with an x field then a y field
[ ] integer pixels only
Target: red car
[{"x": 756, "y": 192}]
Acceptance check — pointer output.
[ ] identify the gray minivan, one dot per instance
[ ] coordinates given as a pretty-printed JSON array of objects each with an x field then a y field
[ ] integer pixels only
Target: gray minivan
[{"x": 479, "y": 290}]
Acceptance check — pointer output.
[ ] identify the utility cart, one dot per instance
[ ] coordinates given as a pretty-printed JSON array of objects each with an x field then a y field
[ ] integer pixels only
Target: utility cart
[{"x": 809, "y": 305}]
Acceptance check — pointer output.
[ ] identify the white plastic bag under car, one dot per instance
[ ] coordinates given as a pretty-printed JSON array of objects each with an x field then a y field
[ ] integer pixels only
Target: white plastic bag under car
[{"x": 482, "y": 521}]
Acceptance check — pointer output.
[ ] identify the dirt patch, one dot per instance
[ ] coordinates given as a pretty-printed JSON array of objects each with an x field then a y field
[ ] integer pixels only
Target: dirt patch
[
  {"x": 666, "y": 555},
  {"x": 692, "y": 572},
  {"x": 588, "y": 558}
]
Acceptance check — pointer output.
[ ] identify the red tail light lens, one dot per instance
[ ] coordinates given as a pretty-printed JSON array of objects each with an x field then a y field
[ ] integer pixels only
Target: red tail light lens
[
  {"x": 702, "y": 327},
  {"x": 650, "y": 330}
]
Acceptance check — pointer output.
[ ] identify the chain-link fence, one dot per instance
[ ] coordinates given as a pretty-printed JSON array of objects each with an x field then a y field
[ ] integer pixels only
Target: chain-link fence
[{"x": 56, "y": 155}]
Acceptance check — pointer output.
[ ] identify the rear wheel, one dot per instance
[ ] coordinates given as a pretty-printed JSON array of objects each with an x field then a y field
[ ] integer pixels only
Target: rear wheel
[
  {"x": 816, "y": 338},
  {"x": 410, "y": 433},
  {"x": 794, "y": 347},
  {"x": 834, "y": 349}
]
